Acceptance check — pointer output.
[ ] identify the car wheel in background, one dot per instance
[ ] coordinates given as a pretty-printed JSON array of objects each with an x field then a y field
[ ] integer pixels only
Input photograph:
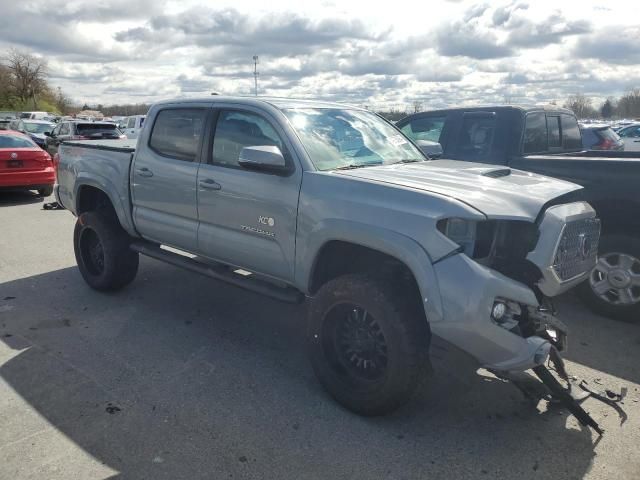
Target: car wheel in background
[
  {"x": 102, "y": 251},
  {"x": 45, "y": 191},
  {"x": 613, "y": 287},
  {"x": 367, "y": 346}
]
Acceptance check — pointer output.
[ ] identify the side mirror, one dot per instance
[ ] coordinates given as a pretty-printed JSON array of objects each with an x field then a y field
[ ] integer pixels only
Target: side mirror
[
  {"x": 47, "y": 134},
  {"x": 264, "y": 157},
  {"x": 430, "y": 149}
]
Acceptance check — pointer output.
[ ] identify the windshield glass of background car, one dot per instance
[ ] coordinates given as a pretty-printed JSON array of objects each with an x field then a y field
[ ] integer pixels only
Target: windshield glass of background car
[
  {"x": 424, "y": 128},
  {"x": 89, "y": 128},
  {"x": 335, "y": 138},
  {"x": 14, "y": 141},
  {"x": 38, "y": 127}
]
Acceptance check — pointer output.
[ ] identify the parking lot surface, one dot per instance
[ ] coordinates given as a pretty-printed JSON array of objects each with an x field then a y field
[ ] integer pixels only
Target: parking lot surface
[{"x": 179, "y": 376}]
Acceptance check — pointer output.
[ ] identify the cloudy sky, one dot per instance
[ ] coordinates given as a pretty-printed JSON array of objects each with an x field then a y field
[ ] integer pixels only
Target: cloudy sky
[{"x": 383, "y": 54}]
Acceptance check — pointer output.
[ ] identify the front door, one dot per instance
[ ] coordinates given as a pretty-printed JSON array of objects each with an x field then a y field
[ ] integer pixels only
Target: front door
[
  {"x": 248, "y": 218},
  {"x": 164, "y": 176}
]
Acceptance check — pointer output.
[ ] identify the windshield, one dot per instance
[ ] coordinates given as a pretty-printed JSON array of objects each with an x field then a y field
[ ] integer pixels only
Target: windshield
[
  {"x": 340, "y": 138},
  {"x": 38, "y": 127},
  {"x": 98, "y": 129}
]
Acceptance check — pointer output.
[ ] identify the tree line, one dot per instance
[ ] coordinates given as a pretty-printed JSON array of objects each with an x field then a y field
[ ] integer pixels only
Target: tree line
[
  {"x": 627, "y": 106},
  {"x": 24, "y": 86}
]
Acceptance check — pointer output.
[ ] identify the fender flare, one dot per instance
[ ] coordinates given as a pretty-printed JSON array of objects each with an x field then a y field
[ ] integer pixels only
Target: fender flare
[
  {"x": 109, "y": 189},
  {"x": 386, "y": 241}
]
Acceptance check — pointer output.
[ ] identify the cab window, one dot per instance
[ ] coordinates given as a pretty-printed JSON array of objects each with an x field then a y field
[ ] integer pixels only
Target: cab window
[
  {"x": 553, "y": 128},
  {"x": 236, "y": 130},
  {"x": 535, "y": 133},
  {"x": 571, "y": 138},
  {"x": 475, "y": 138},
  {"x": 177, "y": 132}
]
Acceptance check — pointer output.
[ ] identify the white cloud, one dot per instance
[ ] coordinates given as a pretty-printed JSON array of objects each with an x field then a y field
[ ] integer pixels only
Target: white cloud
[{"x": 442, "y": 53}]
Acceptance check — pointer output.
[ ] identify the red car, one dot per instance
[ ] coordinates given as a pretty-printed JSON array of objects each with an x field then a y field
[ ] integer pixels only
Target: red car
[{"x": 24, "y": 165}]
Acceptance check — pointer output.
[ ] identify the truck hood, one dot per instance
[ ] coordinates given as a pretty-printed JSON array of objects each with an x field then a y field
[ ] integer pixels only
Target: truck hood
[{"x": 498, "y": 192}]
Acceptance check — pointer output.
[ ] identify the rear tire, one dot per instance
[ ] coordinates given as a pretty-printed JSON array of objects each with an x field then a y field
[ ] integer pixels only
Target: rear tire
[
  {"x": 367, "y": 344},
  {"x": 613, "y": 287},
  {"x": 102, "y": 251},
  {"x": 45, "y": 191}
]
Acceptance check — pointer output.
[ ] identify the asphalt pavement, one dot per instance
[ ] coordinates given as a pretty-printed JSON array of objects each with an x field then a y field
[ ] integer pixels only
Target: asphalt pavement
[{"x": 179, "y": 376}]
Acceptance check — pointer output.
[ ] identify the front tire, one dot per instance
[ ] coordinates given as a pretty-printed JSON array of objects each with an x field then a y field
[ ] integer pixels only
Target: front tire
[
  {"x": 102, "y": 252},
  {"x": 368, "y": 346},
  {"x": 613, "y": 287}
]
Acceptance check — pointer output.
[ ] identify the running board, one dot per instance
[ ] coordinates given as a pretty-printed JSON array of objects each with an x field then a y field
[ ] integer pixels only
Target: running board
[{"x": 220, "y": 272}]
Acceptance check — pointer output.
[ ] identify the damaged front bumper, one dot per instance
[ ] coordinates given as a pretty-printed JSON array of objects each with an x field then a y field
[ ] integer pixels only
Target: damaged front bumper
[
  {"x": 519, "y": 340},
  {"x": 527, "y": 335}
]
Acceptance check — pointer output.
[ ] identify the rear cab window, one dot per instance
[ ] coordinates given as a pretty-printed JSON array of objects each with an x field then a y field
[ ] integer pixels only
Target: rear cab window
[{"x": 177, "y": 133}]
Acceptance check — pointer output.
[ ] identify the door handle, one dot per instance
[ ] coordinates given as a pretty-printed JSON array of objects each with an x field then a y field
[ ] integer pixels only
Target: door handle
[
  {"x": 209, "y": 184},
  {"x": 144, "y": 172}
]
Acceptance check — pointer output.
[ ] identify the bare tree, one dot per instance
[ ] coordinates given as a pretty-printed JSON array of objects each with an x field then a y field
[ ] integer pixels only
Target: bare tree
[
  {"x": 581, "y": 105},
  {"x": 417, "y": 106},
  {"x": 629, "y": 104},
  {"x": 27, "y": 75}
]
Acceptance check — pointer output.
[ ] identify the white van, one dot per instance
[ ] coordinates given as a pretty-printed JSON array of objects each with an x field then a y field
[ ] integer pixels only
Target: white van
[
  {"x": 133, "y": 126},
  {"x": 34, "y": 115}
]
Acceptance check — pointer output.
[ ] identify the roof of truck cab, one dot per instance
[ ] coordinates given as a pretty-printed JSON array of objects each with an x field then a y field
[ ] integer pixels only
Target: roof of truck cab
[
  {"x": 522, "y": 108},
  {"x": 278, "y": 102}
]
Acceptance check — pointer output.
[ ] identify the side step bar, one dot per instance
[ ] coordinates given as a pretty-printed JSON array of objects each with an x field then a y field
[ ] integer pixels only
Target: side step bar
[{"x": 219, "y": 272}]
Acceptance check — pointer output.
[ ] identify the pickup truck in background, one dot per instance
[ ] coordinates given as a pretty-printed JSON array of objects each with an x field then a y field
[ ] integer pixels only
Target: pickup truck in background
[
  {"x": 133, "y": 125},
  {"x": 318, "y": 202},
  {"x": 547, "y": 140}
]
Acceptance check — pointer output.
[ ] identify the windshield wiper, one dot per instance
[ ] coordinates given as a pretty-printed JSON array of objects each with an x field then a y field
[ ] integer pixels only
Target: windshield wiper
[
  {"x": 353, "y": 166},
  {"x": 408, "y": 160}
]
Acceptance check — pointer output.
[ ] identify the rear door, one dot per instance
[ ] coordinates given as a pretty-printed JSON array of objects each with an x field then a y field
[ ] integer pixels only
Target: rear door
[
  {"x": 248, "y": 218},
  {"x": 164, "y": 174}
]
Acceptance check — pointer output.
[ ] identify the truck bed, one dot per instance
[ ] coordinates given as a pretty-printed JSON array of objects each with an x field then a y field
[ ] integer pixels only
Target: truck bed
[
  {"x": 99, "y": 162},
  {"x": 125, "y": 145}
]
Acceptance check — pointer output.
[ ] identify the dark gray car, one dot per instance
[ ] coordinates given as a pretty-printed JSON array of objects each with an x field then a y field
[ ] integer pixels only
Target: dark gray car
[{"x": 80, "y": 130}]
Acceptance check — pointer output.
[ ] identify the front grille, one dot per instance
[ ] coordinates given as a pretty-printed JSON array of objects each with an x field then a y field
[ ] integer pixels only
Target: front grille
[{"x": 577, "y": 249}]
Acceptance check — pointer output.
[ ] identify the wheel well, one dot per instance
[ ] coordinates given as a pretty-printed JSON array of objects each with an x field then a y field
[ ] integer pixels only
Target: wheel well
[
  {"x": 338, "y": 258},
  {"x": 92, "y": 198},
  {"x": 617, "y": 216}
]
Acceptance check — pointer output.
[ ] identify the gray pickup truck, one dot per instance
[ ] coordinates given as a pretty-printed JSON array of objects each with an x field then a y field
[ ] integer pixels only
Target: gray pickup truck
[{"x": 331, "y": 204}]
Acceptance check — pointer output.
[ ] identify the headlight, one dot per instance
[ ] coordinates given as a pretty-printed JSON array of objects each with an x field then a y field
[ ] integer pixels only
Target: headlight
[{"x": 460, "y": 231}]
